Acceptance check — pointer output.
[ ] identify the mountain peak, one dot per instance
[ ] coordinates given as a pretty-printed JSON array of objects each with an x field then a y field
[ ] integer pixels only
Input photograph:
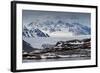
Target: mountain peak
[{"x": 48, "y": 27}]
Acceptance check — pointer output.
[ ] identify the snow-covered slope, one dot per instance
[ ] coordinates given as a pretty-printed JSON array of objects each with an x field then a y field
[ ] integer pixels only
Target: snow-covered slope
[
  {"x": 33, "y": 32},
  {"x": 57, "y": 28}
]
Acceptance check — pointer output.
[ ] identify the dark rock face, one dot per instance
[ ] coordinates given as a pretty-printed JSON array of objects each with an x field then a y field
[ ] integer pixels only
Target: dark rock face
[
  {"x": 40, "y": 33},
  {"x": 27, "y": 47},
  {"x": 69, "y": 45}
]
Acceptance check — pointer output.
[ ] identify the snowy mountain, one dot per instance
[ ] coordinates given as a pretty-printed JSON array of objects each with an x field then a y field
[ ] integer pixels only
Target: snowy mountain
[
  {"x": 33, "y": 32},
  {"x": 60, "y": 25},
  {"x": 51, "y": 28}
]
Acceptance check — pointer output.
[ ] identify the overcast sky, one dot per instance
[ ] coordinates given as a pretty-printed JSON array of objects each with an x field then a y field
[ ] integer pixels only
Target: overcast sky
[{"x": 29, "y": 16}]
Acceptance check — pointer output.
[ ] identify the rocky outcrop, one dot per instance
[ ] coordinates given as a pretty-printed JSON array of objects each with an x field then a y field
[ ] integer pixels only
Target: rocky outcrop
[{"x": 61, "y": 49}]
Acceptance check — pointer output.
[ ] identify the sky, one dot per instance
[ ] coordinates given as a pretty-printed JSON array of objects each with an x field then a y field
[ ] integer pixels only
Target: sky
[{"x": 29, "y": 16}]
